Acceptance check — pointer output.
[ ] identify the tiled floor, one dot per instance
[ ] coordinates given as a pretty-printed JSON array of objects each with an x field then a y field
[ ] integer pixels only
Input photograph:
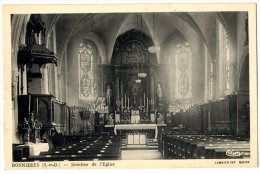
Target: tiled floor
[{"x": 140, "y": 155}]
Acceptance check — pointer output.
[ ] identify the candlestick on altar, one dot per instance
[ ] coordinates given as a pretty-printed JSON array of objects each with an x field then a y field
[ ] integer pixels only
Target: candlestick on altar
[
  {"x": 40, "y": 38},
  {"x": 147, "y": 104},
  {"x": 125, "y": 100},
  {"x": 29, "y": 109},
  {"x": 140, "y": 101},
  {"x": 122, "y": 103},
  {"x": 37, "y": 105},
  {"x": 144, "y": 99}
]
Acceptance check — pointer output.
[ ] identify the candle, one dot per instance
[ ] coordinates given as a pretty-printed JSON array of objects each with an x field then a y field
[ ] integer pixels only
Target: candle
[
  {"x": 128, "y": 102},
  {"x": 37, "y": 105},
  {"x": 40, "y": 38},
  {"x": 36, "y": 38},
  {"x": 144, "y": 99},
  {"x": 147, "y": 104},
  {"x": 29, "y": 109},
  {"x": 122, "y": 103},
  {"x": 125, "y": 100}
]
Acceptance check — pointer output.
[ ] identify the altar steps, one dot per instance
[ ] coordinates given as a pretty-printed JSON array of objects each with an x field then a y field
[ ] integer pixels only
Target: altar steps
[
  {"x": 139, "y": 147},
  {"x": 151, "y": 144},
  {"x": 141, "y": 154}
]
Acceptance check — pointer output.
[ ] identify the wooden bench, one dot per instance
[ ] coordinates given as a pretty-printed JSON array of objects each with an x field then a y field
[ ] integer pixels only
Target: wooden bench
[
  {"x": 92, "y": 148},
  {"x": 203, "y": 146}
]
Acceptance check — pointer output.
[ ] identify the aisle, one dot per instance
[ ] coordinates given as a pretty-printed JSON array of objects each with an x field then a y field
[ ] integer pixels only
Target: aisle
[{"x": 141, "y": 155}]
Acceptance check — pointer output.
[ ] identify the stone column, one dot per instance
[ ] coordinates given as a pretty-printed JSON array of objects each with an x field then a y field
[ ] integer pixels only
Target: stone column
[
  {"x": 152, "y": 88},
  {"x": 117, "y": 87},
  {"x": 206, "y": 72},
  {"x": 65, "y": 66},
  {"x": 55, "y": 68}
]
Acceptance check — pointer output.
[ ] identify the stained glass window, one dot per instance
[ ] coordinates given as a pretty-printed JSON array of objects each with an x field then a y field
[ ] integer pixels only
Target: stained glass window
[
  {"x": 87, "y": 59},
  {"x": 224, "y": 59},
  {"x": 211, "y": 79},
  {"x": 182, "y": 78},
  {"x": 183, "y": 71},
  {"x": 209, "y": 75},
  {"x": 227, "y": 62}
]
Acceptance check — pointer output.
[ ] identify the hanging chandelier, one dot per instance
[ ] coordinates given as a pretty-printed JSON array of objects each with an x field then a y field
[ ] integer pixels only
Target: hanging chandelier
[
  {"x": 141, "y": 74},
  {"x": 154, "y": 48},
  {"x": 138, "y": 81}
]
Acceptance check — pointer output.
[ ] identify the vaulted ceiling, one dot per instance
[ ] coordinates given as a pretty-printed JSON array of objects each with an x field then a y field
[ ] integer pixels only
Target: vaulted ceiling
[{"x": 108, "y": 26}]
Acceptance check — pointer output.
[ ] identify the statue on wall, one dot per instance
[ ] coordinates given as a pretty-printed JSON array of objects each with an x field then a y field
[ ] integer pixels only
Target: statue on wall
[
  {"x": 108, "y": 95},
  {"x": 159, "y": 91}
]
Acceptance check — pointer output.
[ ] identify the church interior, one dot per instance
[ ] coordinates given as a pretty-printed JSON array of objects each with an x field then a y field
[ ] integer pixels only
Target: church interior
[{"x": 115, "y": 86}]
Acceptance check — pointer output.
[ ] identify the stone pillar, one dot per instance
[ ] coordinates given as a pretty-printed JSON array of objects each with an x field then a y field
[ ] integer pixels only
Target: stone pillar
[
  {"x": 55, "y": 68},
  {"x": 152, "y": 88},
  {"x": 117, "y": 87},
  {"x": 65, "y": 70},
  {"x": 206, "y": 72}
]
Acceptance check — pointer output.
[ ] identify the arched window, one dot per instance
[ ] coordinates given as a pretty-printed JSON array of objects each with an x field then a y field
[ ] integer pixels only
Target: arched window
[
  {"x": 209, "y": 75},
  {"x": 182, "y": 78},
  {"x": 87, "y": 59},
  {"x": 224, "y": 60},
  {"x": 183, "y": 71},
  {"x": 211, "y": 79},
  {"x": 227, "y": 62}
]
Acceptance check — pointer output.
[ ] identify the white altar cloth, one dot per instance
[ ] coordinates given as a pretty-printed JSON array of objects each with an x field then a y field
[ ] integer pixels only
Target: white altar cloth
[{"x": 136, "y": 127}]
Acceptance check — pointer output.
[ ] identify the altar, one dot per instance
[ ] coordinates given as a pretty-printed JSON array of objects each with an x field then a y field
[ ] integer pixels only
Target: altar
[{"x": 136, "y": 127}]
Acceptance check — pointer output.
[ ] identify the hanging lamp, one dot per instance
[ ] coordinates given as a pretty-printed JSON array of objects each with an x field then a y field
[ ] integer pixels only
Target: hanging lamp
[
  {"x": 142, "y": 74},
  {"x": 154, "y": 48},
  {"x": 138, "y": 81}
]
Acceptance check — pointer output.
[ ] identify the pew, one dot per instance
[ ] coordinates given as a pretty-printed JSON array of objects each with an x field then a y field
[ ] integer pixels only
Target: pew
[
  {"x": 87, "y": 148},
  {"x": 203, "y": 147},
  {"x": 216, "y": 129},
  {"x": 225, "y": 116}
]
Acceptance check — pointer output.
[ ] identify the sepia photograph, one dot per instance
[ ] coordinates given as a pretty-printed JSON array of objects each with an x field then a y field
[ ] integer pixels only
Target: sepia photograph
[{"x": 164, "y": 84}]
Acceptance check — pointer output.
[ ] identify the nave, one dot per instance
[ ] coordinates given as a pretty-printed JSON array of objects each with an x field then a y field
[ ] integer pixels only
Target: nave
[
  {"x": 172, "y": 145},
  {"x": 130, "y": 86},
  {"x": 89, "y": 148}
]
